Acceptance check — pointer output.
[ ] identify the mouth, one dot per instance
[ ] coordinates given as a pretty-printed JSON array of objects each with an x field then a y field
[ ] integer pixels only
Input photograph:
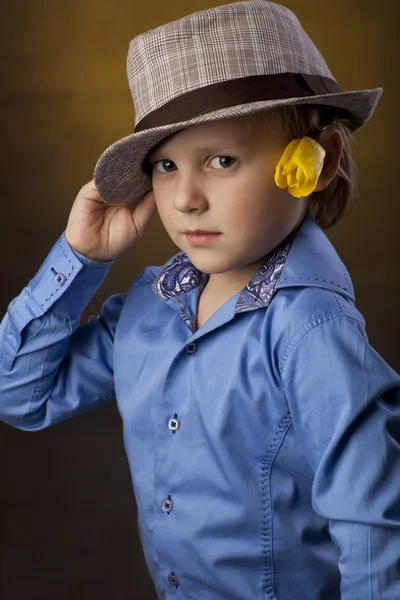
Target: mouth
[
  {"x": 201, "y": 238},
  {"x": 200, "y": 232}
]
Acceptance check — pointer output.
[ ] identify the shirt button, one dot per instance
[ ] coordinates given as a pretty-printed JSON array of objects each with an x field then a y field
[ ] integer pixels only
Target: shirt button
[
  {"x": 167, "y": 505},
  {"x": 191, "y": 348},
  {"x": 60, "y": 279},
  {"x": 173, "y": 580},
  {"x": 174, "y": 423}
]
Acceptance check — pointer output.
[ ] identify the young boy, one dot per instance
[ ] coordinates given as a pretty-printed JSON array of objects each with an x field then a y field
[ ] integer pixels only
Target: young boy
[{"x": 261, "y": 428}]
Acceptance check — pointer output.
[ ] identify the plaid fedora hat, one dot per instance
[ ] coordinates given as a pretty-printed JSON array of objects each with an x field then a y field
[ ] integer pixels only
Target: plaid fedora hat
[{"x": 219, "y": 63}]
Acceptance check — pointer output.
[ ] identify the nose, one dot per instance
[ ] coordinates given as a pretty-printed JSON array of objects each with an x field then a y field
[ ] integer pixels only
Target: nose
[{"x": 188, "y": 195}]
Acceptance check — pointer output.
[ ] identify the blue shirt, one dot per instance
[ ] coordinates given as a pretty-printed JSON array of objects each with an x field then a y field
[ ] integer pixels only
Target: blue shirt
[{"x": 264, "y": 447}]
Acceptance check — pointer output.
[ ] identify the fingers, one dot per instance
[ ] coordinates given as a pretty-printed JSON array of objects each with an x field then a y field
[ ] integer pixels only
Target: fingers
[
  {"x": 90, "y": 192},
  {"x": 145, "y": 210}
]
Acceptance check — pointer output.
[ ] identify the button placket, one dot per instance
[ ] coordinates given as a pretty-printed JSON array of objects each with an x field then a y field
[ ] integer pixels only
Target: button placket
[{"x": 167, "y": 504}]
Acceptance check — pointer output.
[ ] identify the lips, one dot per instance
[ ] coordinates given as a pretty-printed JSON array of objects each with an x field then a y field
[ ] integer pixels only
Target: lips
[{"x": 202, "y": 238}]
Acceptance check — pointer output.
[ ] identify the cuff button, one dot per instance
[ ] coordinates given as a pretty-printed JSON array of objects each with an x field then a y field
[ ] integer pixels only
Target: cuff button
[{"x": 60, "y": 279}]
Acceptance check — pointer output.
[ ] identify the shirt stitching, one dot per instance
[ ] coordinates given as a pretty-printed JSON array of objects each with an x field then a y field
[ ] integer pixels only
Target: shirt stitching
[
  {"x": 72, "y": 269},
  {"x": 96, "y": 267},
  {"x": 345, "y": 288},
  {"x": 314, "y": 322},
  {"x": 298, "y": 336},
  {"x": 344, "y": 271},
  {"x": 350, "y": 316},
  {"x": 267, "y": 517}
]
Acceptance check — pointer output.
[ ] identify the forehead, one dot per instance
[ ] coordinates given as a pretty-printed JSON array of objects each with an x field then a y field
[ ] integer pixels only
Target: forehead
[{"x": 241, "y": 131}]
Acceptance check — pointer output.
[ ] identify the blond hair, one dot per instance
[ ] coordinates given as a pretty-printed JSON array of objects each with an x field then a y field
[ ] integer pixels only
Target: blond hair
[{"x": 297, "y": 121}]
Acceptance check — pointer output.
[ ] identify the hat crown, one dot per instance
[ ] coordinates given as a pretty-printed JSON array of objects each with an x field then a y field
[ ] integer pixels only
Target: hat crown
[{"x": 228, "y": 42}]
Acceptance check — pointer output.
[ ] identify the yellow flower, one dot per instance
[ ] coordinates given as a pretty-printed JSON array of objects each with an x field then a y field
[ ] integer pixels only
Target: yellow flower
[{"x": 300, "y": 167}]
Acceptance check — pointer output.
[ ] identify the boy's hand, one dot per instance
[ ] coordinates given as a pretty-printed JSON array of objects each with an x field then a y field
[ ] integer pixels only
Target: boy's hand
[{"x": 102, "y": 232}]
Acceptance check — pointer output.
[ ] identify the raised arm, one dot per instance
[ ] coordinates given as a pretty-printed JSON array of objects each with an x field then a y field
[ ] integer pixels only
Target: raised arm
[{"x": 50, "y": 368}]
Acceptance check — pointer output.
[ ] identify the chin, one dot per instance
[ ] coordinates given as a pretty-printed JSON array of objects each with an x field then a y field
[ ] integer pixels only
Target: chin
[{"x": 210, "y": 265}]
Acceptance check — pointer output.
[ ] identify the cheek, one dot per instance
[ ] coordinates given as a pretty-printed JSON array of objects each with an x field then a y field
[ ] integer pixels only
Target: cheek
[
  {"x": 265, "y": 211},
  {"x": 251, "y": 205},
  {"x": 164, "y": 212}
]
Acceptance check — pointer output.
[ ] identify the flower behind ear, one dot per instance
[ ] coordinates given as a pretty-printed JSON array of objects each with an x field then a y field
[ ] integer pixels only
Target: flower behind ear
[{"x": 300, "y": 167}]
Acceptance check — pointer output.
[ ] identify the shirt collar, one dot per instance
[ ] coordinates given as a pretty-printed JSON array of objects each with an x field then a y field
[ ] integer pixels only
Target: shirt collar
[
  {"x": 305, "y": 258},
  {"x": 314, "y": 262}
]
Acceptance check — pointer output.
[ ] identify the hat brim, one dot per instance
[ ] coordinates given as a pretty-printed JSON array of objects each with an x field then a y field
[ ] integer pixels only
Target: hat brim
[{"x": 119, "y": 176}]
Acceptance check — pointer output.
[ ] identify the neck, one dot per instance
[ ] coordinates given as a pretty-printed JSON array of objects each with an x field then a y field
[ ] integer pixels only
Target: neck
[{"x": 226, "y": 285}]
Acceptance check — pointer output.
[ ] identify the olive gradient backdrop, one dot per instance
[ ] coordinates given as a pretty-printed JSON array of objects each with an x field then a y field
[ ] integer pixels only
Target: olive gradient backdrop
[{"x": 67, "y": 510}]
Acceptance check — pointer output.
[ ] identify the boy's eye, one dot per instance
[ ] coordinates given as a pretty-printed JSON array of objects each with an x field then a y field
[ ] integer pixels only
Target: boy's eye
[
  {"x": 223, "y": 158},
  {"x": 162, "y": 162},
  {"x": 167, "y": 163}
]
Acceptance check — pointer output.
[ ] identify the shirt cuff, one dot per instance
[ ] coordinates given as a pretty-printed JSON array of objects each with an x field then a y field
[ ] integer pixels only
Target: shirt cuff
[{"x": 66, "y": 280}]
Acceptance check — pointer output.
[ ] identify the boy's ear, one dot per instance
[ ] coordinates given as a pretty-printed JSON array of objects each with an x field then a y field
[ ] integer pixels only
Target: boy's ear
[{"x": 332, "y": 142}]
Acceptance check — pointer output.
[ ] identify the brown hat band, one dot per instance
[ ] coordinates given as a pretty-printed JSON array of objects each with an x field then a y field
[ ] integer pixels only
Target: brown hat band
[{"x": 237, "y": 91}]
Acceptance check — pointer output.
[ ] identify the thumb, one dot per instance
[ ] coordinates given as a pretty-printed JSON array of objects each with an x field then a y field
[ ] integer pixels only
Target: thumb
[{"x": 144, "y": 212}]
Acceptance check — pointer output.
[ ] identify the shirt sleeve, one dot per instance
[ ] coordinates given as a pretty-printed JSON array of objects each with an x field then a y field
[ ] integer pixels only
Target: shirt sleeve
[
  {"x": 50, "y": 368},
  {"x": 345, "y": 405}
]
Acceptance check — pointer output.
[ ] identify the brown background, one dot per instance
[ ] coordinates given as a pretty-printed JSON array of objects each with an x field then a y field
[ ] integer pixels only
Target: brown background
[{"x": 67, "y": 512}]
